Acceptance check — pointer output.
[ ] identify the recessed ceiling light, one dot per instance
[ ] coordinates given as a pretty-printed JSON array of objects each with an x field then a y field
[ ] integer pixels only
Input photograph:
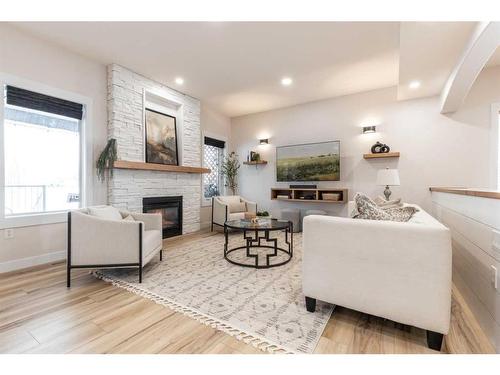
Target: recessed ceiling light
[
  {"x": 286, "y": 81},
  {"x": 414, "y": 85},
  {"x": 179, "y": 80}
]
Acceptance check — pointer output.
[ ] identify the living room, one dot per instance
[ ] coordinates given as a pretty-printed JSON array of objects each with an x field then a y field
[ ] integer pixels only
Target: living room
[{"x": 259, "y": 193}]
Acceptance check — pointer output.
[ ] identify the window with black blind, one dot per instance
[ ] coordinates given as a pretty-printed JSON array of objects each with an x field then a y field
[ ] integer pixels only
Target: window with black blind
[
  {"x": 213, "y": 155},
  {"x": 42, "y": 147}
]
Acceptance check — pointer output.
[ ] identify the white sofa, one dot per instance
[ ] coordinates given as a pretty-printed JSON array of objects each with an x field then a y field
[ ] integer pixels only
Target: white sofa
[
  {"x": 231, "y": 207},
  {"x": 97, "y": 242},
  {"x": 399, "y": 271}
]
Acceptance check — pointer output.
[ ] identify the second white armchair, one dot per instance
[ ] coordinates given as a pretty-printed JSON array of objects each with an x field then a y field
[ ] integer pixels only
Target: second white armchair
[{"x": 232, "y": 207}]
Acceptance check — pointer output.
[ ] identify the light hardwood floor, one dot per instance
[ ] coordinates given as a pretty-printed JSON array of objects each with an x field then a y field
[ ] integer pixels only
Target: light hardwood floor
[{"x": 38, "y": 314}]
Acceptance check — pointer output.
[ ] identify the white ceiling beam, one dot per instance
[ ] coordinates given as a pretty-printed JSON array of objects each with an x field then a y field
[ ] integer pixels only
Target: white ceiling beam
[{"x": 482, "y": 45}]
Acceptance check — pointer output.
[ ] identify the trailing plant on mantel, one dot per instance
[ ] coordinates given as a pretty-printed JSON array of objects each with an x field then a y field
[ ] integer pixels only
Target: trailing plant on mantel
[
  {"x": 106, "y": 160},
  {"x": 229, "y": 168}
]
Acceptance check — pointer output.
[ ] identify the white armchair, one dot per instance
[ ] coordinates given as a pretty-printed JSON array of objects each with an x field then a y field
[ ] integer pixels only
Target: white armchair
[
  {"x": 232, "y": 207},
  {"x": 111, "y": 242}
]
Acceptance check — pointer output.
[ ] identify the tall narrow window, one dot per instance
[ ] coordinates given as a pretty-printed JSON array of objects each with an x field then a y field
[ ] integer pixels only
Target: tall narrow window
[
  {"x": 42, "y": 152},
  {"x": 213, "y": 154}
]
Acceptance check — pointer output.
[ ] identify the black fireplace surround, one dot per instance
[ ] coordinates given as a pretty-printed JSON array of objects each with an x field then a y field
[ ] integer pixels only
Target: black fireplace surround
[{"x": 171, "y": 210}]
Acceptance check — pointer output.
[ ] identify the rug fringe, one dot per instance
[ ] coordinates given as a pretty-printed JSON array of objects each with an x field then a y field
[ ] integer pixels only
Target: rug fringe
[{"x": 247, "y": 338}]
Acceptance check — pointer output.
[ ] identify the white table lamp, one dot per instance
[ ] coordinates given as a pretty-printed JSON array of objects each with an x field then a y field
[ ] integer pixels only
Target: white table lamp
[{"x": 388, "y": 177}]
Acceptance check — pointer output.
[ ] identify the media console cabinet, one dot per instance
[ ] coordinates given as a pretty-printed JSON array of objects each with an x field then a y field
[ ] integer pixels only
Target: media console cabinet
[{"x": 309, "y": 195}]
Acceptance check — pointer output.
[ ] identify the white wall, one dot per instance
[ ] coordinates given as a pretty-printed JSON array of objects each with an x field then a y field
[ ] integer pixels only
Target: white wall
[
  {"x": 436, "y": 150},
  {"x": 477, "y": 111},
  {"x": 213, "y": 124},
  {"x": 32, "y": 59}
]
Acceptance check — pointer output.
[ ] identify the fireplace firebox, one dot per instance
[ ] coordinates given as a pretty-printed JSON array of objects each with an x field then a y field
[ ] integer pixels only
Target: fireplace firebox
[{"x": 171, "y": 210}]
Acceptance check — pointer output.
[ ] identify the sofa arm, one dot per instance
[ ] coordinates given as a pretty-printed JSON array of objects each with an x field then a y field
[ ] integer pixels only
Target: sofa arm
[
  {"x": 151, "y": 221},
  {"x": 400, "y": 271},
  {"x": 219, "y": 211},
  {"x": 96, "y": 241},
  {"x": 251, "y": 206}
]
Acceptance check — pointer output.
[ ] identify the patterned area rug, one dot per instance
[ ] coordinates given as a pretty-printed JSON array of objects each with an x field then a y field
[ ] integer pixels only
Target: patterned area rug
[{"x": 263, "y": 307}]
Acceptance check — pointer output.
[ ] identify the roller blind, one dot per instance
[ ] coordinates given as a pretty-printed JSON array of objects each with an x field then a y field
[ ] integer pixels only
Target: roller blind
[
  {"x": 214, "y": 142},
  {"x": 41, "y": 102}
]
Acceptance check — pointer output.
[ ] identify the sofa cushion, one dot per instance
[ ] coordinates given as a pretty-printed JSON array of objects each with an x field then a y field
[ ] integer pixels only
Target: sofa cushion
[
  {"x": 234, "y": 204},
  {"x": 401, "y": 213},
  {"x": 105, "y": 212},
  {"x": 128, "y": 218},
  {"x": 236, "y": 216},
  {"x": 365, "y": 208}
]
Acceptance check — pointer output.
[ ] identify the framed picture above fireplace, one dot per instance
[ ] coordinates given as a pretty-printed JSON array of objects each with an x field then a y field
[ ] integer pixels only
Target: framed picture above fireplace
[{"x": 161, "y": 138}]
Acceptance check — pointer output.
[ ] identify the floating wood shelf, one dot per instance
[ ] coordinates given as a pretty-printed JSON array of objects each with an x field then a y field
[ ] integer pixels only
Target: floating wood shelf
[
  {"x": 383, "y": 155},
  {"x": 122, "y": 164},
  {"x": 260, "y": 162},
  {"x": 308, "y": 195}
]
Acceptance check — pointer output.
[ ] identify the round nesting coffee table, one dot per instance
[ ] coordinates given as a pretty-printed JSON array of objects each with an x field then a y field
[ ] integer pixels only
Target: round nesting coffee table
[{"x": 254, "y": 234}]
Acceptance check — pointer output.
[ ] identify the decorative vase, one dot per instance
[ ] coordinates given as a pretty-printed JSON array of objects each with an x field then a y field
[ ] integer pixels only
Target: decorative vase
[
  {"x": 380, "y": 148},
  {"x": 376, "y": 148}
]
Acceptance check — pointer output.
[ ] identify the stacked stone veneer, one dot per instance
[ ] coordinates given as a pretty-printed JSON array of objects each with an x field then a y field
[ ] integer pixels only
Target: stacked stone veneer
[{"x": 125, "y": 123}]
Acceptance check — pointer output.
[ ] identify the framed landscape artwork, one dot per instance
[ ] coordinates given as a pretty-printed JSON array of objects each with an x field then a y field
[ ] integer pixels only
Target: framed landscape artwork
[
  {"x": 308, "y": 162},
  {"x": 161, "y": 138}
]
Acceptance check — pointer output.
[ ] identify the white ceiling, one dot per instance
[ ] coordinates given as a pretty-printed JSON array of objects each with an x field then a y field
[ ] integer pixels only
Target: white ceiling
[
  {"x": 429, "y": 51},
  {"x": 236, "y": 68}
]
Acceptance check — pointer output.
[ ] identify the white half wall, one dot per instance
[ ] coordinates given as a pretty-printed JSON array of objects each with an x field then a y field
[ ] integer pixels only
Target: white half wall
[{"x": 436, "y": 150}]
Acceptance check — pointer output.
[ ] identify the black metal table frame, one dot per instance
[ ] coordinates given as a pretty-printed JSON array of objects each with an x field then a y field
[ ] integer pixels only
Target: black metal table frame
[{"x": 253, "y": 241}]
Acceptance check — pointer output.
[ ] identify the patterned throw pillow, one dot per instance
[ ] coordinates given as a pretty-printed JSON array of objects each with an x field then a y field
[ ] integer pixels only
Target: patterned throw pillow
[
  {"x": 401, "y": 213},
  {"x": 368, "y": 209}
]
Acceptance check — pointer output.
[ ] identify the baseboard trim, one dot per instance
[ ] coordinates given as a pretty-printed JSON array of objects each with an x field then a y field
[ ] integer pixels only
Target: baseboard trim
[{"x": 18, "y": 264}]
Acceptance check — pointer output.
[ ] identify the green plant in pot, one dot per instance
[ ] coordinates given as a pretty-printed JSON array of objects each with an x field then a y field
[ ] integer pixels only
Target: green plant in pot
[
  {"x": 230, "y": 167},
  {"x": 106, "y": 160},
  {"x": 262, "y": 214}
]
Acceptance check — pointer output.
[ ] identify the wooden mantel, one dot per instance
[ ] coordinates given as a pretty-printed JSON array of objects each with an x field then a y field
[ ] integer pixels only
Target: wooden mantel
[{"x": 123, "y": 164}]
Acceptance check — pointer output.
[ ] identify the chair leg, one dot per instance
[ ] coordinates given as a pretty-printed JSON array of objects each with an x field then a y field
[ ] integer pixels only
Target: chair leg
[
  {"x": 68, "y": 277},
  {"x": 161, "y": 255},
  {"x": 140, "y": 275},
  {"x": 310, "y": 304},
  {"x": 434, "y": 340}
]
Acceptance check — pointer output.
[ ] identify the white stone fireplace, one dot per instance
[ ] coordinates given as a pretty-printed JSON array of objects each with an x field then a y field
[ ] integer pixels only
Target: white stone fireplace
[{"x": 128, "y": 94}]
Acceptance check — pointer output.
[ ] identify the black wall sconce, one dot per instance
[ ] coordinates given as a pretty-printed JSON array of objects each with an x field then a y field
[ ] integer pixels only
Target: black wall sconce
[
  {"x": 264, "y": 141},
  {"x": 369, "y": 129}
]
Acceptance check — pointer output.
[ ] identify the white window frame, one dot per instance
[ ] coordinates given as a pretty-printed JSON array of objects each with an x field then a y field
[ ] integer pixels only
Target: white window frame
[
  {"x": 495, "y": 146},
  {"x": 205, "y": 202},
  {"x": 86, "y": 147}
]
